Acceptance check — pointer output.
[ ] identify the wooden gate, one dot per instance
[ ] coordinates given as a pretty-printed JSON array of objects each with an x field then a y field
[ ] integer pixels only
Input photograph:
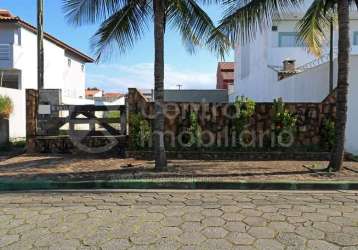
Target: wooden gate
[{"x": 90, "y": 120}]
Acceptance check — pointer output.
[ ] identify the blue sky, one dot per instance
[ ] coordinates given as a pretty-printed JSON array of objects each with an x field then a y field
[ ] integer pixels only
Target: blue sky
[{"x": 135, "y": 68}]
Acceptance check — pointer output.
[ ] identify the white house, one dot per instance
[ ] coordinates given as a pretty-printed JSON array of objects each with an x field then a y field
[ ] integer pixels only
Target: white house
[
  {"x": 259, "y": 65},
  {"x": 64, "y": 67}
]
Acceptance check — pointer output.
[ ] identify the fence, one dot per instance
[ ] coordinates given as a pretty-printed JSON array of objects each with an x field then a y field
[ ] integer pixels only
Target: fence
[
  {"x": 217, "y": 119},
  {"x": 52, "y": 126}
]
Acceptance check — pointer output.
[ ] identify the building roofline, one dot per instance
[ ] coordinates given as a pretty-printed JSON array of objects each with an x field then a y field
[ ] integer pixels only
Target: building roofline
[{"x": 28, "y": 26}]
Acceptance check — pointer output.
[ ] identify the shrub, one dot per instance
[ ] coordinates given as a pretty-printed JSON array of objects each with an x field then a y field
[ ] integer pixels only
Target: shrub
[
  {"x": 6, "y": 106},
  {"x": 283, "y": 120},
  {"x": 245, "y": 110},
  {"x": 328, "y": 134},
  {"x": 195, "y": 129},
  {"x": 140, "y": 131}
]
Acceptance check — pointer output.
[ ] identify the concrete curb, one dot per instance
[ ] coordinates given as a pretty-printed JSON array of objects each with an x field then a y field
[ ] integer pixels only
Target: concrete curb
[{"x": 6, "y": 186}]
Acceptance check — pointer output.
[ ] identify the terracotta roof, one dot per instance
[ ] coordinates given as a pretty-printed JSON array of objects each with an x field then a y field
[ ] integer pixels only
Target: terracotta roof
[
  {"x": 113, "y": 95},
  {"x": 7, "y": 17},
  {"x": 91, "y": 92}
]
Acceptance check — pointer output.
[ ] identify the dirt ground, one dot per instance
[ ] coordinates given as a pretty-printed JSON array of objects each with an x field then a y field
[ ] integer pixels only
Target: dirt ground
[{"x": 66, "y": 167}]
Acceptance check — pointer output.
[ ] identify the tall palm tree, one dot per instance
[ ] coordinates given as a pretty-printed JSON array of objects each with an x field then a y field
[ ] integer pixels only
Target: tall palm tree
[
  {"x": 313, "y": 27},
  {"x": 125, "y": 21},
  {"x": 244, "y": 18},
  {"x": 342, "y": 86}
]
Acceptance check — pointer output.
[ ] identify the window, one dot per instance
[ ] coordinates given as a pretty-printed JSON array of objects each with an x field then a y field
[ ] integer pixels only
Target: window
[
  {"x": 355, "y": 38},
  {"x": 69, "y": 62},
  {"x": 4, "y": 52},
  {"x": 288, "y": 39},
  {"x": 10, "y": 79}
]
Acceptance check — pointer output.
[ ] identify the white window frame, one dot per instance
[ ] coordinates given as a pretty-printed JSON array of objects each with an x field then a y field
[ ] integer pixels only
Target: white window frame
[
  {"x": 292, "y": 34},
  {"x": 355, "y": 38}
]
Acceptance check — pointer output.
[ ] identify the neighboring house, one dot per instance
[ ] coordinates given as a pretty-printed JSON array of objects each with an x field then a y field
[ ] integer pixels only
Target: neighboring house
[
  {"x": 101, "y": 98},
  {"x": 275, "y": 65},
  {"x": 225, "y": 76},
  {"x": 64, "y": 67},
  {"x": 114, "y": 97},
  {"x": 93, "y": 92}
]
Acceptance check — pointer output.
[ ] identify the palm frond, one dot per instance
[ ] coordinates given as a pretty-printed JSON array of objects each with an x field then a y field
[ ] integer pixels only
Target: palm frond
[
  {"x": 122, "y": 29},
  {"x": 79, "y": 12},
  {"x": 194, "y": 25},
  {"x": 315, "y": 24},
  {"x": 244, "y": 18}
]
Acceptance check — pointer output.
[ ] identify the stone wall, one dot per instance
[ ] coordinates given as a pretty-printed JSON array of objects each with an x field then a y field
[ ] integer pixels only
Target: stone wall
[{"x": 217, "y": 118}]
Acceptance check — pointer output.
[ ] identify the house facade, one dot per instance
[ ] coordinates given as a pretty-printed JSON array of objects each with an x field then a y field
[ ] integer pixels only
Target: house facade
[
  {"x": 64, "y": 67},
  {"x": 275, "y": 65}
]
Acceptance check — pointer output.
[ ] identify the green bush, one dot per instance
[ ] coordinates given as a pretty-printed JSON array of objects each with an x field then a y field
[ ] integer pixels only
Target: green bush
[
  {"x": 328, "y": 135},
  {"x": 140, "y": 131},
  {"x": 283, "y": 120},
  {"x": 245, "y": 110},
  {"x": 195, "y": 129},
  {"x": 6, "y": 106}
]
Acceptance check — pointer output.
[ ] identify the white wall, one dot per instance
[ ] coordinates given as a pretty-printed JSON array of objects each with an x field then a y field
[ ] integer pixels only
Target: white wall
[
  {"x": 18, "y": 117},
  {"x": 352, "y": 124},
  {"x": 58, "y": 75}
]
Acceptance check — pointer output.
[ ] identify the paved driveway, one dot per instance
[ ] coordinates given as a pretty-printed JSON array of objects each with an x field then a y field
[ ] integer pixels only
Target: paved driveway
[{"x": 179, "y": 220}]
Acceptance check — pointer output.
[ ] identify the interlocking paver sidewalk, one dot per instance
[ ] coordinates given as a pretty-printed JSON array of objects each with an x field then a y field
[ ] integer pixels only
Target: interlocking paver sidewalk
[{"x": 179, "y": 220}]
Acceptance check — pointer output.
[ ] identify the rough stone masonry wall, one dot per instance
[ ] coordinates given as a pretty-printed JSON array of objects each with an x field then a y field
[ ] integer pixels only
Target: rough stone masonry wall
[{"x": 211, "y": 117}]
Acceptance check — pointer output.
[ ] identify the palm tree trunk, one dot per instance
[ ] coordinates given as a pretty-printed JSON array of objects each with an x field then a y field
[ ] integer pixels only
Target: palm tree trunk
[
  {"x": 342, "y": 85},
  {"x": 158, "y": 135}
]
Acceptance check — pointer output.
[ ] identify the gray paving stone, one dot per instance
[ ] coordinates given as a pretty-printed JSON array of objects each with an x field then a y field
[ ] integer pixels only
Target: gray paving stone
[
  {"x": 262, "y": 232},
  {"x": 342, "y": 239},
  {"x": 310, "y": 233},
  {"x": 213, "y": 221},
  {"x": 116, "y": 244},
  {"x": 292, "y": 240},
  {"x": 240, "y": 238},
  {"x": 180, "y": 220},
  {"x": 264, "y": 244},
  {"x": 6, "y": 240},
  {"x": 216, "y": 244},
  {"x": 320, "y": 244},
  {"x": 282, "y": 226},
  {"x": 236, "y": 227},
  {"x": 191, "y": 238},
  {"x": 327, "y": 227},
  {"x": 214, "y": 232}
]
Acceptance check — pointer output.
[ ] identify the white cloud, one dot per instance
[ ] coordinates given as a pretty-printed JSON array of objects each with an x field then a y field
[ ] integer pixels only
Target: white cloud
[{"x": 141, "y": 76}]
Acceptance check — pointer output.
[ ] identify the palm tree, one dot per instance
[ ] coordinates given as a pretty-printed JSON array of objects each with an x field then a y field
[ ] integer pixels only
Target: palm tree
[
  {"x": 244, "y": 18},
  {"x": 313, "y": 27},
  {"x": 342, "y": 86},
  {"x": 125, "y": 21}
]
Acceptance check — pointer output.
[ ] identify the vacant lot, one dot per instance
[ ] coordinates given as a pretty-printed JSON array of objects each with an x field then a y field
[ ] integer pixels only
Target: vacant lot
[{"x": 67, "y": 167}]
